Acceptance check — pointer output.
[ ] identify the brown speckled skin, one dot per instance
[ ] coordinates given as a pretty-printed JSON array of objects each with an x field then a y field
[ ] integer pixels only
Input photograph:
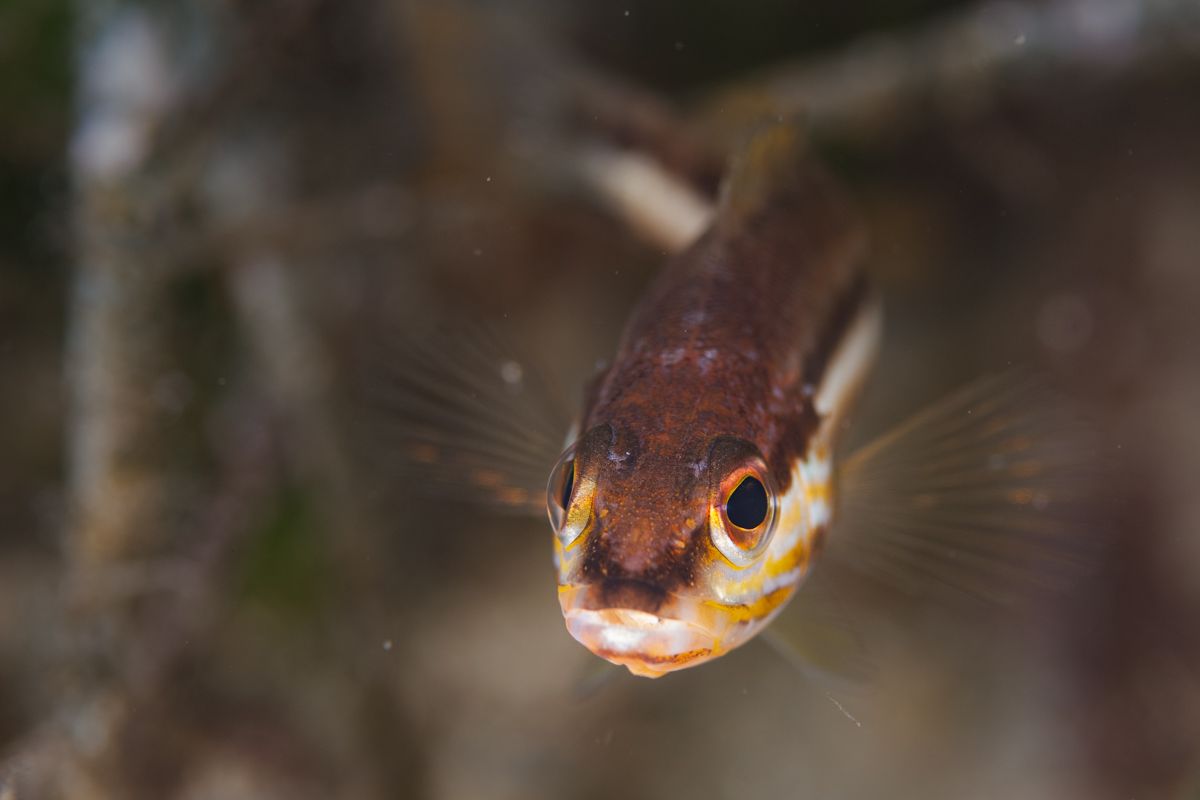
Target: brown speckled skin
[{"x": 730, "y": 341}]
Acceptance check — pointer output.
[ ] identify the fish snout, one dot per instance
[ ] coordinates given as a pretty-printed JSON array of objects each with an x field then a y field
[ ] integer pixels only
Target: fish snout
[
  {"x": 627, "y": 632},
  {"x": 624, "y": 593}
]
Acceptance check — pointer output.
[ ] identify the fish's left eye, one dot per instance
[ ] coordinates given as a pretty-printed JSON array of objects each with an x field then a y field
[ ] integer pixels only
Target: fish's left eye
[
  {"x": 746, "y": 507},
  {"x": 743, "y": 519}
]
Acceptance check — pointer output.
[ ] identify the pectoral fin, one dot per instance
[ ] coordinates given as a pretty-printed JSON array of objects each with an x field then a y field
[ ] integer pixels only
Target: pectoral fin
[
  {"x": 984, "y": 493},
  {"x": 455, "y": 412}
]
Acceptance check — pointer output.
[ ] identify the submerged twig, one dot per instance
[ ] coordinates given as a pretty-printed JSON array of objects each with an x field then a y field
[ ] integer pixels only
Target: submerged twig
[
  {"x": 120, "y": 366},
  {"x": 961, "y": 63},
  {"x": 119, "y": 341}
]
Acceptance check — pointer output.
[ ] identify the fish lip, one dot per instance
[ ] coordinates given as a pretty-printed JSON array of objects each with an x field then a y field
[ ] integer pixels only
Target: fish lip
[{"x": 646, "y": 643}]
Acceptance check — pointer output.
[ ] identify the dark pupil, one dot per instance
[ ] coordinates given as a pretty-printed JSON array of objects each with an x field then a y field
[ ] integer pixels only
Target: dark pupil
[
  {"x": 747, "y": 505},
  {"x": 568, "y": 483}
]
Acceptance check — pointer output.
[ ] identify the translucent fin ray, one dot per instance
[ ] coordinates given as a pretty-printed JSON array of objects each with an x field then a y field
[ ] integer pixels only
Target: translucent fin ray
[
  {"x": 458, "y": 413},
  {"x": 981, "y": 493}
]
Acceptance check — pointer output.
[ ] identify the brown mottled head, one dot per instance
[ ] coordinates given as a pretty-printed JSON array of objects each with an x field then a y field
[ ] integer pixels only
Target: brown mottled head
[{"x": 643, "y": 531}]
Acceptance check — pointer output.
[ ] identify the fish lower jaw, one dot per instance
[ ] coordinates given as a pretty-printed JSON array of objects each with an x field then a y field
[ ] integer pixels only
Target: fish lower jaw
[{"x": 646, "y": 644}]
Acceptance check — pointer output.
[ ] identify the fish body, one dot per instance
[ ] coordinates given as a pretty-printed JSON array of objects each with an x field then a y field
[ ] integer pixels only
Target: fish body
[
  {"x": 699, "y": 484},
  {"x": 690, "y": 507}
]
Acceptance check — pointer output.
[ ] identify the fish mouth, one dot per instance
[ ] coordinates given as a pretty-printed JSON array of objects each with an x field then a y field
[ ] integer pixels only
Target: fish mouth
[{"x": 647, "y": 644}]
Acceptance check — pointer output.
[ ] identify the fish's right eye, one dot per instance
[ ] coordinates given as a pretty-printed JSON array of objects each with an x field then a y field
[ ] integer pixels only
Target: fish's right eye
[{"x": 559, "y": 490}]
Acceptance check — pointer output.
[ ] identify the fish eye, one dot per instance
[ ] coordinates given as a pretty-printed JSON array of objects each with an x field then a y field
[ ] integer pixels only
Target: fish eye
[
  {"x": 742, "y": 524},
  {"x": 568, "y": 485},
  {"x": 560, "y": 489},
  {"x": 746, "y": 506}
]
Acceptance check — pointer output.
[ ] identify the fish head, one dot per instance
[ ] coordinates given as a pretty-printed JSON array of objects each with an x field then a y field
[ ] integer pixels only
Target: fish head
[{"x": 662, "y": 546}]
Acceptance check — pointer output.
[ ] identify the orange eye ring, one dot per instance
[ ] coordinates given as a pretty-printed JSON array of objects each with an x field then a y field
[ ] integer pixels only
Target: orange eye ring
[{"x": 743, "y": 523}]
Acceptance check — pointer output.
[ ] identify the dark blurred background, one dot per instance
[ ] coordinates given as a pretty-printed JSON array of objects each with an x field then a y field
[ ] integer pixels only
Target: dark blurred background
[{"x": 223, "y": 223}]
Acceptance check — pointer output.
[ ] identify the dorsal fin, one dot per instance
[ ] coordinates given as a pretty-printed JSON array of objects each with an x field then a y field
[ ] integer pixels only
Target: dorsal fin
[{"x": 769, "y": 163}]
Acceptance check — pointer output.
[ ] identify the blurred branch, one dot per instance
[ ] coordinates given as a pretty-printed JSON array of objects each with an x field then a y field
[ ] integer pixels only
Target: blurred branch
[
  {"x": 654, "y": 168},
  {"x": 133, "y": 78},
  {"x": 297, "y": 374},
  {"x": 76, "y": 755},
  {"x": 119, "y": 323},
  {"x": 267, "y": 29},
  {"x": 960, "y": 63},
  {"x": 295, "y": 370}
]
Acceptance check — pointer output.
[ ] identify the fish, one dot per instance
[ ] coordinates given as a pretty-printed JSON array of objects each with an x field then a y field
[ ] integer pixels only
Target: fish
[
  {"x": 699, "y": 490},
  {"x": 703, "y": 497}
]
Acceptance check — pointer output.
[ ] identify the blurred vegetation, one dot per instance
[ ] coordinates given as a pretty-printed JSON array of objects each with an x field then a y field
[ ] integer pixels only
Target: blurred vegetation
[
  {"x": 286, "y": 564},
  {"x": 35, "y": 86},
  {"x": 35, "y": 89}
]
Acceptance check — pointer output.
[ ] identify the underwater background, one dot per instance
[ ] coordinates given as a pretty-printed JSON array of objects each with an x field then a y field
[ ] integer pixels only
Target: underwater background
[{"x": 229, "y": 230}]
